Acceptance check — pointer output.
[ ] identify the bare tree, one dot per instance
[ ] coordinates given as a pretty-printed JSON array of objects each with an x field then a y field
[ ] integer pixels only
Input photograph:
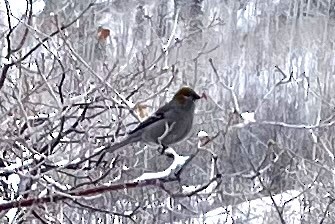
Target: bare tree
[{"x": 78, "y": 75}]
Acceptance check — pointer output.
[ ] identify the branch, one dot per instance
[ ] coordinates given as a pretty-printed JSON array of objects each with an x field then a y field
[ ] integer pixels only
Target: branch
[
  {"x": 87, "y": 192},
  {"x": 24, "y": 37},
  {"x": 286, "y": 79},
  {"x": 297, "y": 126},
  {"x": 81, "y": 205},
  {"x": 325, "y": 213},
  {"x": 7, "y": 66},
  {"x": 225, "y": 85},
  {"x": 279, "y": 211}
]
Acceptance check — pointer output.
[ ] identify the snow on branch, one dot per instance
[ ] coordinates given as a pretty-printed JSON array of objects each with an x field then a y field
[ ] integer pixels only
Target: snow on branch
[
  {"x": 174, "y": 168},
  {"x": 32, "y": 50},
  {"x": 147, "y": 179}
]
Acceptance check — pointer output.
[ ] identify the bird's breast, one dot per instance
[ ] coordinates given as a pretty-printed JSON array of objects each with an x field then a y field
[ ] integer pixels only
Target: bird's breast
[
  {"x": 174, "y": 127},
  {"x": 180, "y": 130}
]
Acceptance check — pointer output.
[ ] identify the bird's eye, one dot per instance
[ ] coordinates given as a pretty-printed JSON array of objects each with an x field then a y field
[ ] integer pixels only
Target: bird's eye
[{"x": 187, "y": 95}]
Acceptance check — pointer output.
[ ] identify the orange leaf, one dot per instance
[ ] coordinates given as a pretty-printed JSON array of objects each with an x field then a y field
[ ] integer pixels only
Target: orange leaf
[
  {"x": 142, "y": 110},
  {"x": 103, "y": 33}
]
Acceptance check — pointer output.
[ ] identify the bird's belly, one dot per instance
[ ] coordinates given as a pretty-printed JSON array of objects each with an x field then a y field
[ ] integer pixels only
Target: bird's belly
[
  {"x": 178, "y": 133},
  {"x": 158, "y": 133}
]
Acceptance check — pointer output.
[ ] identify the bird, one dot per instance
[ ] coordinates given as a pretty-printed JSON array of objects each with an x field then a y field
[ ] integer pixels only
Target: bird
[{"x": 170, "y": 124}]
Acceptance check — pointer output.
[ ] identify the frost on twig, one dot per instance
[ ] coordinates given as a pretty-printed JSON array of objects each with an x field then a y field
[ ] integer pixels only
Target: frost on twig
[{"x": 226, "y": 86}]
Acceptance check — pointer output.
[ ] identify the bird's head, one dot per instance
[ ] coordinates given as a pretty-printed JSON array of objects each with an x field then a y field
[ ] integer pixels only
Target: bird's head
[{"x": 185, "y": 95}]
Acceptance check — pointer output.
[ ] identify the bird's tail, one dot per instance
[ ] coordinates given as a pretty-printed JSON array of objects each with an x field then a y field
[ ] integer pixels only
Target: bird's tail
[
  {"x": 128, "y": 140},
  {"x": 112, "y": 148}
]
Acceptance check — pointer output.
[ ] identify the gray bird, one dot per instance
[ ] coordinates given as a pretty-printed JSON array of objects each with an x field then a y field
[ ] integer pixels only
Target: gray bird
[{"x": 168, "y": 125}]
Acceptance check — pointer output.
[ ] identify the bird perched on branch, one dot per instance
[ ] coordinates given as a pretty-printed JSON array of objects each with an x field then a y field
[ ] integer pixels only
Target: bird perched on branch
[{"x": 169, "y": 124}]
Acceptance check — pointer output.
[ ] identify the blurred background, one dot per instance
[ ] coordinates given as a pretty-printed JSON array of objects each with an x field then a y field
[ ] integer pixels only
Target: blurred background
[{"x": 77, "y": 75}]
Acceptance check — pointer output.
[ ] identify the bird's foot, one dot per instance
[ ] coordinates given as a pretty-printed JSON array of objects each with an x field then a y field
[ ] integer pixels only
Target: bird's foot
[{"x": 162, "y": 149}]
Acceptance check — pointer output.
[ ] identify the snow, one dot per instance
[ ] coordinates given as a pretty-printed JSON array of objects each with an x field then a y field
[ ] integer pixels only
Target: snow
[
  {"x": 189, "y": 189},
  {"x": 43, "y": 193},
  {"x": 13, "y": 182},
  {"x": 62, "y": 162},
  {"x": 16, "y": 165},
  {"x": 202, "y": 134},
  {"x": 18, "y": 8},
  {"x": 10, "y": 214},
  {"x": 177, "y": 163},
  {"x": 246, "y": 17},
  {"x": 55, "y": 183},
  {"x": 5, "y": 61},
  {"x": 42, "y": 116},
  {"x": 256, "y": 211},
  {"x": 248, "y": 117},
  {"x": 203, "y": 139},
  {"x": 219, "y": 215}
]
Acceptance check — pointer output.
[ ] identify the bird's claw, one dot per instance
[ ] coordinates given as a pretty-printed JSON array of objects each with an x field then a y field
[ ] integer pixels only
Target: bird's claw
[{"x": 162, "y": 149}]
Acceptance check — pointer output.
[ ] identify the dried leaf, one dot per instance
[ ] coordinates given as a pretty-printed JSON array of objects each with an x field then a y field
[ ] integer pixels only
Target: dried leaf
[
  {"x": 142, "y": 110},
  {"x": 103, "y": 33}
]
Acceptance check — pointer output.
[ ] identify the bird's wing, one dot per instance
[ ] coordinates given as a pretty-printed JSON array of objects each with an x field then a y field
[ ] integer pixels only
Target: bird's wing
[{"x": 158, "y": 115}]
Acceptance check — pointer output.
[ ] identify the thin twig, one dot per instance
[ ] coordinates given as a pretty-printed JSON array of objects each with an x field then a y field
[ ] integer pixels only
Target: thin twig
[
  {"x": 32, "y": 50},
  {"x": 225, "y": 85}
]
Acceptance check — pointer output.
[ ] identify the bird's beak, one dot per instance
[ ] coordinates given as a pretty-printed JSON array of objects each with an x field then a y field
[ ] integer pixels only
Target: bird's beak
[{"x": 197, "y": 97}]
